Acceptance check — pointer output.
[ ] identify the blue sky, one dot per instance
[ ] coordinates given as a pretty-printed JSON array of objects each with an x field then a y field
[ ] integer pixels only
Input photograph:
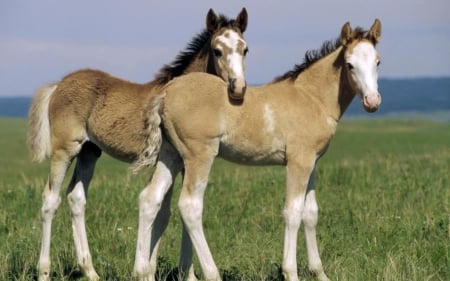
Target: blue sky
[{"x": 41, "y": 41}]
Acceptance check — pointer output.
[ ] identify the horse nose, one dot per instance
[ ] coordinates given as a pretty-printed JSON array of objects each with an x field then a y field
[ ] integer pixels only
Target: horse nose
[
  {"x": 236, "y": 88},
  {"x": 372, "y": 102}
]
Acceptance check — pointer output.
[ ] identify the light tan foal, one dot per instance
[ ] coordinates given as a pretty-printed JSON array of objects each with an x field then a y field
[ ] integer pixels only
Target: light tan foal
[{"x": 290, "y": 122}]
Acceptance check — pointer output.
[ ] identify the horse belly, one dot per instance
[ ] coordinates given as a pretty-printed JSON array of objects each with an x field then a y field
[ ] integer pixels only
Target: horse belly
[
  {"x": 122, "y": 137},
  {"x": 248, "y": 153},
  {"x": 124, "y": 146}
]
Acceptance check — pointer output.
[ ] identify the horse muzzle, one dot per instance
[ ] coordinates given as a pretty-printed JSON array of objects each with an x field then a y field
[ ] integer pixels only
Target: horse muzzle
[
  {"x": 236, "y": 88},
  {"x": 371, "y": 102}
]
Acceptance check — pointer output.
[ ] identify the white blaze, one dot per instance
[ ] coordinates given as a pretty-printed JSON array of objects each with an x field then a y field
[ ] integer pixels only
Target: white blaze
[{"x": 232, "y": 41}]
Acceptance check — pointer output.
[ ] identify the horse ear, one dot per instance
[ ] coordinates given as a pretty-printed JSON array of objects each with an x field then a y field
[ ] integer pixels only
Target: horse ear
[
  {"x": 374, "y": 34},
  {"x": 242, "y": 20},
  {"x": 346, "y": 34},
  {"x": 212, "y": 22}
]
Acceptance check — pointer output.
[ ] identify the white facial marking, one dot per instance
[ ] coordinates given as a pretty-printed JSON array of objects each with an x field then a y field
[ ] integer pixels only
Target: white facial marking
[
  {"x": 268, "y": 119},
  {"x": 232, "y": 41},
  {"x": 364, "y": 60},
  {"x": 363, "y": 64}
]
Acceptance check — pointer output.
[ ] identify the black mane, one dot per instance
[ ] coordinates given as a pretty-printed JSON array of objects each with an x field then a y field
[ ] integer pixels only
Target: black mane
[
  {"x": 187, "y": 56},
  {"x": 312, "y": 56}
]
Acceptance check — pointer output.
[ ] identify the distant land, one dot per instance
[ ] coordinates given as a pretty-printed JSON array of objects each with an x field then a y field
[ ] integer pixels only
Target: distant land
[{"x": 427, "y": 98}]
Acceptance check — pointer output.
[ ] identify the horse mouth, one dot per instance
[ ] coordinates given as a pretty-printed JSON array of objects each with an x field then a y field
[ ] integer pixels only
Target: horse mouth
[{"x": 236, "y": 96}]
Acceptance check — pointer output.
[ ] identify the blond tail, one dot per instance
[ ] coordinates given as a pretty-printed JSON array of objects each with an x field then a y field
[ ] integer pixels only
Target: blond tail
[
  {"x": 150, "y": 151},
  {"x": 38, "y": 140}
]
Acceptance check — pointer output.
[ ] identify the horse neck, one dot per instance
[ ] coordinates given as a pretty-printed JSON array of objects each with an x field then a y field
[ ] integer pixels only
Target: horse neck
[
  {"x": 327, "y": 80},
  {"x": 202, "y": 62},
  {"x": 198, "y": 60}
]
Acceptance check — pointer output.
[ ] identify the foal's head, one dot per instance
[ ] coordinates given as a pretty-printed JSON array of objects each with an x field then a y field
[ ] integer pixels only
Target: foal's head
[
  {"x": 362, "y": 61},
  {"x": 219, "y": 49},
  {"x": 228, "y": 51}
]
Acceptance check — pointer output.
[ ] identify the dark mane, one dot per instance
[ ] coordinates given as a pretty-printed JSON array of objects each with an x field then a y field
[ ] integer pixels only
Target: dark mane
[
  {"x": 187, "y": 56},
  {"x": 311, "y": 56}
]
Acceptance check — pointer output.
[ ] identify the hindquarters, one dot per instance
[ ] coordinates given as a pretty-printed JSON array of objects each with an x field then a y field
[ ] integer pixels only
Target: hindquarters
[
  {"x": 70, "y": 108},
  {"x": 59, "y": 114},
  {"x": 124, "y": 122},
  {"x": 118, "y": 116}
]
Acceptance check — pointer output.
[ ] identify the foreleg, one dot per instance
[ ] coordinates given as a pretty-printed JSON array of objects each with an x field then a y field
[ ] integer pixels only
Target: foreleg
[
  {"x": 310, "y": 217},
  {"x": 297, "y": 175},
  {"x": 154, "y": 211},
  {"x": 191, "y": 208}
]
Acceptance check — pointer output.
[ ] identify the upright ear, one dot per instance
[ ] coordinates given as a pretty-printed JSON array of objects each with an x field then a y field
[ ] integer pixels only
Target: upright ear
[
  {"x": 374, "y": 34},
  {"x": 242, "y": 20},
  {"x": 346, "y": 34},
  {"x": 212, "y": 21}
]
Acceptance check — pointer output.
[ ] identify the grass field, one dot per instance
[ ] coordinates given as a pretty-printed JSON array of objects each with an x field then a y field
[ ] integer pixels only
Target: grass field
[{"x": 383, "y": 190}]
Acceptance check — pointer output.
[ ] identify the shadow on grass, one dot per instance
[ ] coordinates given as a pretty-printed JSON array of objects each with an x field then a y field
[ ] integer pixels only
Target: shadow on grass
[
  {"x": 19, "y": 268},
  {"x": 166, "y": 272},
  {"x": 233, "y": 274}
]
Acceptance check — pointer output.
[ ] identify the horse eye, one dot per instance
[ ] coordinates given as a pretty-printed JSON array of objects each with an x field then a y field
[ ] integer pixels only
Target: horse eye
[
  {"x": 245, "y": 52},
  {"x": 217, "y": 53},
  {"x": 349, "y": 66},
  {"x": 378, "y": 63}
]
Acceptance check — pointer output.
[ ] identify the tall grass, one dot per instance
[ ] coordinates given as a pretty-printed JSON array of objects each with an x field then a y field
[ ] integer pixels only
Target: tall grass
[{"x": 383, "y": 190}]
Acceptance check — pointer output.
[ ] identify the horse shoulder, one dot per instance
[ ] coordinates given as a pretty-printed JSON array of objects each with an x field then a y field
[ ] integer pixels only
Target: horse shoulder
[{"x": 193, "y": 107}]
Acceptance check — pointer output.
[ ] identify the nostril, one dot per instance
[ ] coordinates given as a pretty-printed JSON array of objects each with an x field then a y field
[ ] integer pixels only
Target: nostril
[{"x": 232, "y": 84}]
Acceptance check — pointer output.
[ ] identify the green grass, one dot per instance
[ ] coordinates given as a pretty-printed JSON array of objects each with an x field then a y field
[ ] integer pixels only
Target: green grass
[{"x": 383, "y": 190}]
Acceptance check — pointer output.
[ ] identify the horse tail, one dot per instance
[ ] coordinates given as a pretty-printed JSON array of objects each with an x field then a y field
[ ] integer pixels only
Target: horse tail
[
  {"x": 39, "y": 140},
  {"x": 152, "y": 121}
]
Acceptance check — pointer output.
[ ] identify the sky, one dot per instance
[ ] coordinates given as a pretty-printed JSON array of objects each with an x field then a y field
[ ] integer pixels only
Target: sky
[{"x": 42, "y": 41}]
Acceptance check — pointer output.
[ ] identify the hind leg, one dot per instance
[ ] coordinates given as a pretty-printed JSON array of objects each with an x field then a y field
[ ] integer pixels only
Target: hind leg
[
  {"x": 154, "y": 211},
  {"x": 60, "y": 161},
  {"x": 76, "y": 195}
]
